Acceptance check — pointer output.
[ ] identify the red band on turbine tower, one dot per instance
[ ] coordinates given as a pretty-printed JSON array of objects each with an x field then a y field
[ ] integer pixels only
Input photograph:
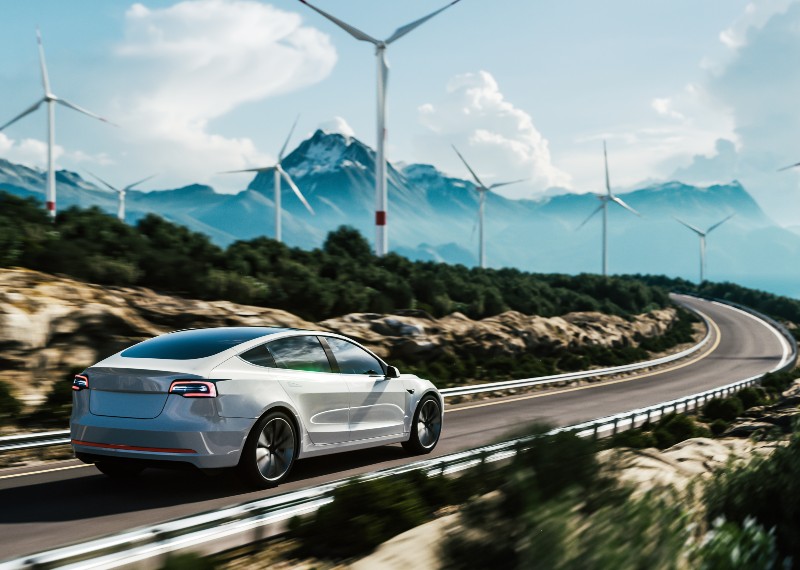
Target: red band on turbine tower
[
  {"x": 51, "y": 206},
  {"x": 380, "y": 218}
]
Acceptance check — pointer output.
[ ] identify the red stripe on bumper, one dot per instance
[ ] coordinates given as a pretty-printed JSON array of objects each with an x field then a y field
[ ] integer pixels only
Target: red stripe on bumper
[{"x": 131, "y": 447}]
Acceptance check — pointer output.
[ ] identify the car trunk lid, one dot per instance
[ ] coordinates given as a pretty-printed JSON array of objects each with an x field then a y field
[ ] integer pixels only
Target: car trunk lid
[{"x": 129, "y": 392}]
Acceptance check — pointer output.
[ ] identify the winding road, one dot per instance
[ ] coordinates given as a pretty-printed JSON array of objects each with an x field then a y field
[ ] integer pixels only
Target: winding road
[{"x": 64, "y": 502}]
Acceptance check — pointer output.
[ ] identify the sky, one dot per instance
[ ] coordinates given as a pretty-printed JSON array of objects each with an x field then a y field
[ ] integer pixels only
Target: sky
[{"x": 701, "y": 91}]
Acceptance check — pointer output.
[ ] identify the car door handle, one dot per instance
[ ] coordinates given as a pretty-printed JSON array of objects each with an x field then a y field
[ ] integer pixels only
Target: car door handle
[{"x": 294, "y": 384}]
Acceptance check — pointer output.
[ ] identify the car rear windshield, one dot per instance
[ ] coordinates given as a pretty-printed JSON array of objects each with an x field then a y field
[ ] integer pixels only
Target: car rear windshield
[{"x": 197, "y": 343}]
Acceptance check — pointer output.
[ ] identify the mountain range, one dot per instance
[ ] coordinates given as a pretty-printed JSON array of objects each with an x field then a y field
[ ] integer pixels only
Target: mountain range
[{"x": 433, "y": 216}]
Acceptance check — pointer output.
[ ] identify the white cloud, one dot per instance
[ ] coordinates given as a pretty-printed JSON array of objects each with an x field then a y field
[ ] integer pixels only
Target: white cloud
[
  {"x": 192, "y": 62},
  {"x": 337, "y": 125},
  {"x": 761, "y": 88},
  {"x": 755, "y": 16},
  {"x": 30, "y": 152},
  {"x": 498, "y": 139},
  {"x": 663, "y": 106}
]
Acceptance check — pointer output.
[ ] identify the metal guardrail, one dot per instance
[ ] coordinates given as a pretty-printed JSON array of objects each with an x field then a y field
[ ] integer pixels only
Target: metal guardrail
[
  {"x": 582, "y": 375},
  {"x": 246, "y": 523},
  {"x": 33, "y": 440},
  {"x": 243, "y": 524},
  {"x": 44, "y": 439}
]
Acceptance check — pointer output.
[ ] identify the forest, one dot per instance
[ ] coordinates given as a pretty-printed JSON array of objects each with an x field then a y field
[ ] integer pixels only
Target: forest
[{"x": 343, "y": 276}]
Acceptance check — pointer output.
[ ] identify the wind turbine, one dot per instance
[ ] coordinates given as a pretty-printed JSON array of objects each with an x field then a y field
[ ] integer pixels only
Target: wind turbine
[
  {"x": 381, "y": 198},
  {"x": 604, "y": 200},
  {"x": 482, "y": 189},
  {"x": 121, "y": 192},
  {"x": 280, "y": 172},
  {"x": 51, "y": 100},
  {"x": 702, "y": 235}
]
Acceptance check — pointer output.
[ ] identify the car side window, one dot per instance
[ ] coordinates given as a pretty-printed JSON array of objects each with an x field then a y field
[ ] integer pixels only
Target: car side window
[
  {"x": 353, "y": 359},
  {"x": 299, "y": 353},
  {"x": 260, "y": 356}
]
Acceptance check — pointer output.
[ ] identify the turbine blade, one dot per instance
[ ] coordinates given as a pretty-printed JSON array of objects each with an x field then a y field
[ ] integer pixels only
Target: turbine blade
[
  {"x": 403, "y": 30},
  {"x": 795, "y": 165},
  {"x": 475, "y": 226},
  {"x": 297, "y": 192},
  {"x": 718, "y": 224},
  {"x": 474, "y": 176},
  {"x": 624, "y": 205},
  {"x": 106, "y": 184},
  {"x": 42, "y": 64},
  {"x": 27, "y": 111},
  {"x": 695, "y": 229},
  {"x": 600, "y": 207},
  {"x": 605, "y": 159},
  {"x": 498, "y": 184},
  {"x": 84, "y": 111},
  {"x": 132, "y": 186},
  {"x": 259, "y": 169},
  {"x": 355, "y": 32},
  {"x": 283, "y": 148}
]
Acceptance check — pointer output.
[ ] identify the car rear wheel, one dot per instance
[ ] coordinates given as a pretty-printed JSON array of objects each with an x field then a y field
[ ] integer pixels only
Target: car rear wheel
[
  {"x": 269, "y": 452},
  {"x": 119, "y": 469},
  {"x": 426, "y": 427}
]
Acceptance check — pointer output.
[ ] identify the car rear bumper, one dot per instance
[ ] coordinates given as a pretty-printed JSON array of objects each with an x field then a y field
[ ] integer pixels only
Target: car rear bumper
[{"x": 205, "y": 444}]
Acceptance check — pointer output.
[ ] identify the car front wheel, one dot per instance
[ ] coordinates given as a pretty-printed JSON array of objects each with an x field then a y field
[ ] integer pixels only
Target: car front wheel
[
  {"x": 269, "y": 452},
  {"x": 426, "y": 427}
]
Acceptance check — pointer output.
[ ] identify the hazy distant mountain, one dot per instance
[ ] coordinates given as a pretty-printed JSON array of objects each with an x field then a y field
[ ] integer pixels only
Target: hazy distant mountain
[{"x": 432, "y": 217}]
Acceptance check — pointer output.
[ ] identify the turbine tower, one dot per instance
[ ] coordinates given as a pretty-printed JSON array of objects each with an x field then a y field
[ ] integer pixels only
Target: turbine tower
[
  {"x": 604, "y": 201},
  {"x": 121, "y": 192},
  {"x": 381, "y": 198},
  {"x": 51, "y": 100},
  {"x": 702, "y": 235},
  {"x": 482, "y": 189},
  {"x": 280, "y": 172}
]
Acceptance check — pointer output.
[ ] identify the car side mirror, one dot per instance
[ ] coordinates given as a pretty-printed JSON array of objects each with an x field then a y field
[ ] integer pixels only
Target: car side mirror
[{"x": 392, "y": 372}]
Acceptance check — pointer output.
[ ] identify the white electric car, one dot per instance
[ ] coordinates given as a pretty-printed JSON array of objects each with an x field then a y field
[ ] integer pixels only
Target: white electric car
[{"x": 253, "y": 398}]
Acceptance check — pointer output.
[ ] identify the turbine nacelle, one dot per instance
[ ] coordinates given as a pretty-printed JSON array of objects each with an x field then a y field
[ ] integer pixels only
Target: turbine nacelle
[
  {"x": 280, "y": 173},
  {"x": 482, "y": 189},
  {"x": 50, "y": 99},
  {"x": 381, "y": 187}
]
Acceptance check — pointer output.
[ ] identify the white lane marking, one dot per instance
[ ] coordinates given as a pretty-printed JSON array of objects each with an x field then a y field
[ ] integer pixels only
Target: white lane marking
[{"x": 784, "y": 343}]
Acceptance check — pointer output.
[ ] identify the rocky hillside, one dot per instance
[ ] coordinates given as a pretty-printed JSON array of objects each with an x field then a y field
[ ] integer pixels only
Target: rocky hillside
[{"x": 50, "y": 325}]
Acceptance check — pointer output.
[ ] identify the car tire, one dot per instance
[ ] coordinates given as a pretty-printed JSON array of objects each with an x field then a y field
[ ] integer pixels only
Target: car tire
[
  {"x": 119, "y": 469},
  {"x": 426, "y": 426},
  {"x": 269, "y": 452}
]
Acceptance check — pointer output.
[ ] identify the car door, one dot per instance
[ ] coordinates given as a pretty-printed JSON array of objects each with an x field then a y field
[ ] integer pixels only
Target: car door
[
  {"x": 378, "y": 405},
  {"x": 304, "y": 371}
]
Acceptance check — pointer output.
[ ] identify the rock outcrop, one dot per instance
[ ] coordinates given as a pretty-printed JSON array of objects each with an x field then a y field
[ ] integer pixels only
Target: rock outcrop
[{"x": 52, "y": 324}]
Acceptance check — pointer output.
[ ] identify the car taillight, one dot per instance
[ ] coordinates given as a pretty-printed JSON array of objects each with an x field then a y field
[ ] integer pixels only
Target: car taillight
[
  {"x": 80, "y": 382},
  {"x": 193, "y": 389}
]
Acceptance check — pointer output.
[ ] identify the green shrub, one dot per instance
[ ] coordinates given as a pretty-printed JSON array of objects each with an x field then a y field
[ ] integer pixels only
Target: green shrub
[
  {"x": 777, "y": 382},
  {"x": 363, "y": 515},
  {"x": 638, "y": 438},
  {"x": 727, "y": 409},
  {"x": 766, "y": 490},
  {"x": 669, "y": 430},
  {"x": 730, "y": 546},
  {"x": 10, "y": 407},
  {"x": 718, "y": 426},
  {"x": 751, "y": 397}
]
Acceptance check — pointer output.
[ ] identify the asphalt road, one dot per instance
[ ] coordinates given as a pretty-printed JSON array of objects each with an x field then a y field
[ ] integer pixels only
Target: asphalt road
[{"x": 60, "y": 503}]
